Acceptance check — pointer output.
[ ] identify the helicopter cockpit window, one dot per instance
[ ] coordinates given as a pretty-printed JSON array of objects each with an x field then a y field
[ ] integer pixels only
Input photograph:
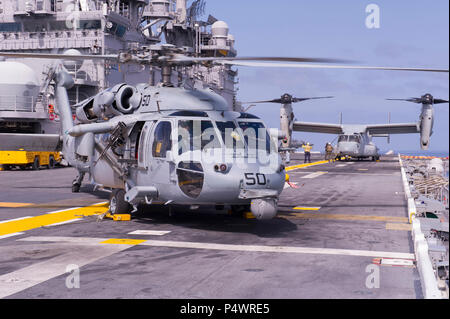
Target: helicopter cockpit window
[
  {"x": 343, "y": 138},
  {"x": 196, "y": 135},
  {"x": 354, "y": 138},
  {"x": 230, "y": 136},
  {"x": 162, "y": 140},
  {"x": 190, "y": 113},
  {"x": 256, "y": 136},
  {"x": 248, "y": 116}
]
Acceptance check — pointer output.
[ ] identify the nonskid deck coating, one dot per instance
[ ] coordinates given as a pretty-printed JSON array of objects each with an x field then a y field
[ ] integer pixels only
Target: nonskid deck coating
[{"x": 204, "y": 255}]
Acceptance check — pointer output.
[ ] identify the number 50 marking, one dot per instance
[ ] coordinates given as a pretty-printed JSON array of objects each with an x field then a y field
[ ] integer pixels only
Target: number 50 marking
[{"x": 253, "y": 179}]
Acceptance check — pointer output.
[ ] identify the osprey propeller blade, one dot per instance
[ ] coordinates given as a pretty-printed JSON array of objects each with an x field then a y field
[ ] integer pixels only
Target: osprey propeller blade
[
  {"x": 425, "y": 99},
  {"x": 288, "y": 99}
]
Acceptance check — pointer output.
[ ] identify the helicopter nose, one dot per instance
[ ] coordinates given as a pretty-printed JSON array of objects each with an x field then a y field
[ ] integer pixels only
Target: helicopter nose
[{"x": 349, "y": 148}]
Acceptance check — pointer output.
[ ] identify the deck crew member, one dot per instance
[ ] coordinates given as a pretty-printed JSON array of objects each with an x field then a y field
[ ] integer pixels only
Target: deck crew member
[
  {"x": 307, "y": 148},
  {"x": 328, "y": 151}
]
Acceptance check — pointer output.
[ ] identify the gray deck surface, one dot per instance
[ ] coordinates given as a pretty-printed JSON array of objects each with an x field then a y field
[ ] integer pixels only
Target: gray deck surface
[{"x": 327, "y": 269}]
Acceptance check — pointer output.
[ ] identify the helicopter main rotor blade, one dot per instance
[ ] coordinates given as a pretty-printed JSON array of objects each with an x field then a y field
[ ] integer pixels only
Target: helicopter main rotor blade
[
  {"x": 321, "y": 66},
  {"x": 238, "y": 61},
  {"x": 260, "y": 102},
  {"x": 59, "y": 56},
  {"x": 296, "y": 100},
  {"x": 267, "y": 59},
  {"x": 439, "y": 101}
]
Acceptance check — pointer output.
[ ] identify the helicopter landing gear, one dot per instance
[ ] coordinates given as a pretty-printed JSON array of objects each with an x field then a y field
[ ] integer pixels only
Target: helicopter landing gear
[{"x": 117, "y": 203}]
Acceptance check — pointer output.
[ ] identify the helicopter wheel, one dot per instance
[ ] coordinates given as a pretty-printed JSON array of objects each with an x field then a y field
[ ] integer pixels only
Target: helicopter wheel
[
  {"x": 117, "y": 203},
  {"x": 76, "y": 188}
]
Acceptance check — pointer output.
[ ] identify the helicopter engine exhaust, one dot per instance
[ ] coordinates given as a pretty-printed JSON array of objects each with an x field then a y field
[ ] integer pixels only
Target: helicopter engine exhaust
[
  {"x": 264, "y": 209},
  {"x": 119, "y": 100},
  {"x": 127, "y": 99}
]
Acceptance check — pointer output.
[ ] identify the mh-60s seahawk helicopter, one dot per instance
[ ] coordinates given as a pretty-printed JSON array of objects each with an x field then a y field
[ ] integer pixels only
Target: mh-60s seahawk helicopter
[{"x": 169, "y": 145}]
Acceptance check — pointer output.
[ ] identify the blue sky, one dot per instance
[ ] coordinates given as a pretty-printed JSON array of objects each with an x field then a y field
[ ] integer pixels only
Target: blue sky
[{"x": 411, "y": 33}]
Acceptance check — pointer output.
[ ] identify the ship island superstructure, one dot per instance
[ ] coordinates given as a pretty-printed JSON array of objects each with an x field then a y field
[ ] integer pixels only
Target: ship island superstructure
[{"x": 94, "y": 27}]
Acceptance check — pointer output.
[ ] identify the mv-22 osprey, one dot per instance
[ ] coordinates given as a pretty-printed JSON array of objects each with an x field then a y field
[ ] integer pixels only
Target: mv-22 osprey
[
  {"x": 169, "y": 145},
  {"x": 355, "y": 140}
]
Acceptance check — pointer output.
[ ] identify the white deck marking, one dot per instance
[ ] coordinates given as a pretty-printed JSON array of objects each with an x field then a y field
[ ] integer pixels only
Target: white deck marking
[
  {"x": 65, "y": 222},
  {"x": 314, "y": 175},
  {"x": 10, "y": 220},
  {"x": 365, "y": 174},
  {"x": 16, "y": 281},
  {"x": 253, "y": 248},
  {"x": 397, "y": 262},
  {"x": 149, "y": 232},
  {"x": 62, "y": 210},
  {"x": 279, "y": 249},
  {"x": 11, "y": 235},
  {"x": 341, "y": 165}
]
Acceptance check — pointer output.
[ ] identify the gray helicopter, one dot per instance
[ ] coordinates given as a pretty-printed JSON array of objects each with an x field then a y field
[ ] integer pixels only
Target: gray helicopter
[
  {"x": 355, "y": 140},
  {"x": 170, "y": 145}
]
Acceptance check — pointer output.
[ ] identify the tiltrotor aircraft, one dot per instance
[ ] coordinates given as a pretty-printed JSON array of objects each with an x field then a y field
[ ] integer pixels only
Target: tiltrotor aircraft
[
  {"x": 169, "y": 145},
  {"x": 355, "y": 140}
]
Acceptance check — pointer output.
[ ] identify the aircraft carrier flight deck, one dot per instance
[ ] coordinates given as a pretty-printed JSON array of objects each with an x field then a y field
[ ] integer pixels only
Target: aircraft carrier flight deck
[{"x": 337, "y": 222}]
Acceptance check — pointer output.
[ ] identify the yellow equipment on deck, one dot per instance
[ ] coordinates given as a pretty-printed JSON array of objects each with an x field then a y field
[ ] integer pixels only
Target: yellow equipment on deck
[{"x": 24, "y": 158}]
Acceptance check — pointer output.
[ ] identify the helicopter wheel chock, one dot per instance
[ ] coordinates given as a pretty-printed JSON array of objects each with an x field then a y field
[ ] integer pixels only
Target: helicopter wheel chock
[{"x": 239, "y": 210}]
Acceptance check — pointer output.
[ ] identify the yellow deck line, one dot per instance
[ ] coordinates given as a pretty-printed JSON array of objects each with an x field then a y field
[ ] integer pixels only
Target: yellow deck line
[
  {"x": 14, "y": 205},
  {"x": 15, "y": 226},
  {"x": 307, "y": 208},
  {"x": 127, "y": 241},
  {"x": 349, "y": 217},
  {"x": 290, "y": 168},
  {"x": 397, "y": 226}
]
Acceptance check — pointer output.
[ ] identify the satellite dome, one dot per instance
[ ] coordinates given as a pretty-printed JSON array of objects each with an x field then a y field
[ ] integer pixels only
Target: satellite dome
[
  {"x": 71, "y": 65},
  {"x": 436, "y": 165},
  {"x": 18, "y": 82},
  {"x": 17, "y": 73},
  {"x": 219, "y": 29}
]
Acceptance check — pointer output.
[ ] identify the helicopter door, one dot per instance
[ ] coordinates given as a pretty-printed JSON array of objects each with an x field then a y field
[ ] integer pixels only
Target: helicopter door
[
  {"x": 143, "y": 148},
  {"x": 161, "y": 162}
]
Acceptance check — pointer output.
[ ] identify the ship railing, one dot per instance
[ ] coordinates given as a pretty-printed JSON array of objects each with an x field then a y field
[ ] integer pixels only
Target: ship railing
[{"x": 15, "y": 103}]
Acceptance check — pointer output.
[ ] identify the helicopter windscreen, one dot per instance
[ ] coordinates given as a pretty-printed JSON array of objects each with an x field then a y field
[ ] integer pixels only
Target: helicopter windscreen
[
  {"x": 350, "y": 138},
  {"x": 256, "y": 136},
  {"x": 354, "y": 138},
  {"x": 196, "y": 135},
  {"x": 231, "y": 137}
]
